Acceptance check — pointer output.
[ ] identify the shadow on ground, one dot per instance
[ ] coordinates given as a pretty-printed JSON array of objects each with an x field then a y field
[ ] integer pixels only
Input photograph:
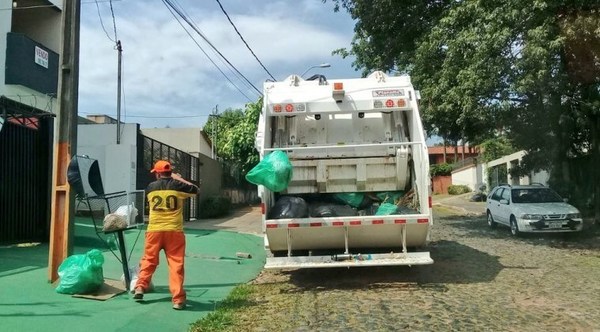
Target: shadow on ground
[{"x": 454, "y": 263}]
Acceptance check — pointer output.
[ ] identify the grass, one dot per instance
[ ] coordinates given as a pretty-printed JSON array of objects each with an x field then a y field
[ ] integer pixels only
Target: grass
[{"x": 223, "y": 317}]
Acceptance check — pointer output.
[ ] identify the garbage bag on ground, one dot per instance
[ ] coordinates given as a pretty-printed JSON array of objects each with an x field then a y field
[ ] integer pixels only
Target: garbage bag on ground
[
  {"x": 81, "y": 274},
  {"x": 134, "y": 273},
  {"x": 274, "y": 172},
  {"x": 289, "y": 207}
]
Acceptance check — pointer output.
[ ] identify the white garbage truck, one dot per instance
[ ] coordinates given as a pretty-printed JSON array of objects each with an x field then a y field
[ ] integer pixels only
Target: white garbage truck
[{"x": 355, "y": 146}]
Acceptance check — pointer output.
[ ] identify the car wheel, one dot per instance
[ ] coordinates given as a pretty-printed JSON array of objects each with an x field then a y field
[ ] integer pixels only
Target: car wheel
[
  {"x": 514, "y": 227},
  {"x": 490, "y": 220}
]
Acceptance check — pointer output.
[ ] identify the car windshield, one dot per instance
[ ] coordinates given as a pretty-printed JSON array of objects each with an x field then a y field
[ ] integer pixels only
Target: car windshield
[{"x": 535, "y": 195}]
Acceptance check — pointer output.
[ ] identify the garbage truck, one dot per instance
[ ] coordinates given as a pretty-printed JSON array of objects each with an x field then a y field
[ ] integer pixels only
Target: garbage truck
[{"x": 359, "y": 191}]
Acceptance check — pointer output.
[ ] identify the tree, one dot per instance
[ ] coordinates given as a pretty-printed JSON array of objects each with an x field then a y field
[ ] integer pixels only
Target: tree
[
  {"x": 236, "y": 130},
  {"x": 529, "y": 69}
]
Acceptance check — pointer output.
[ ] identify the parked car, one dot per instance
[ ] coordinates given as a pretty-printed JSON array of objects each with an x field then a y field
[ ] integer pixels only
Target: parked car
[{"x": 532, "y": 209}]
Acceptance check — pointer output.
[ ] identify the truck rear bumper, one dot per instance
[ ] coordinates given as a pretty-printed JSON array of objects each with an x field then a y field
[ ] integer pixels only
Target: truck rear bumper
[{"x": 360, "y": 260}]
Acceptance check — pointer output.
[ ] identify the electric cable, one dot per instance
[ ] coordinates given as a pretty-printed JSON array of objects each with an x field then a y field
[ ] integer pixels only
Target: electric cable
[
  {"x": 203, "y": 51},
  {"x": 242, "y": 38},
  {"x": 185, "y": 18}
]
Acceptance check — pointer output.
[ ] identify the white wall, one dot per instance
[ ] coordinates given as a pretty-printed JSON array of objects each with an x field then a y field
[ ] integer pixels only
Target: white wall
[
  {"x": 538, "y": 177},
  {"x": 188, "y": 140},
  {"x": 118, "y": 162},
  {"x": 466, "y": 176}
]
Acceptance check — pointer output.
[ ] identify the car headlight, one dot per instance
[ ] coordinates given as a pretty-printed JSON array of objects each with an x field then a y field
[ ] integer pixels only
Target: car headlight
[
  {"x": 531, "y": 216},
  {"x": 574, "y": 215}
]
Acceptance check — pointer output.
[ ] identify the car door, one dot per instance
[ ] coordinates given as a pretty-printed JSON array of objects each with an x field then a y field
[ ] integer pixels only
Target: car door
[
  {"x": 493, "y": 203},
  {"x": 504, "y": 207}
]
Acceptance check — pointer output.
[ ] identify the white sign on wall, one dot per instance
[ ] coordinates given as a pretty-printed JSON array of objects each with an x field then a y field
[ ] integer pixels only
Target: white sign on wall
[{"x": 41, "y": 57}]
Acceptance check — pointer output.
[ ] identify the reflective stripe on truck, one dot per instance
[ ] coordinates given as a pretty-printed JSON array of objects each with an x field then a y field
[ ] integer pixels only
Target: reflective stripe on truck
[{"x": 378, "y": 221}]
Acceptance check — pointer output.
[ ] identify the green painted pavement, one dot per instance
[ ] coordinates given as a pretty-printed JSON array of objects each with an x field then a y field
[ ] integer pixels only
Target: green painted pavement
[{"x": 29, "y": 303}]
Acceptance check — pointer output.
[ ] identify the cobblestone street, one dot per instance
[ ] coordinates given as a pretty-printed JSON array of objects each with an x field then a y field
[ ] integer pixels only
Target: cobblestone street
[{"x": 481, "y": 280}]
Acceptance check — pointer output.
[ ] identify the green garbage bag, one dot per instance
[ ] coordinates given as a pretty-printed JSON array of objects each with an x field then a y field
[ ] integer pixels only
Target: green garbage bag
[
  {"x": 274, "y": 172},
  {"x": 81, "y": 274},
  {"x": 356, "y": 200},
  {"x": 386, "y": 209}
]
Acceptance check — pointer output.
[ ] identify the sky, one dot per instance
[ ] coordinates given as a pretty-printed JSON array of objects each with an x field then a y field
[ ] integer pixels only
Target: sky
[{"x": 168, "y": 81}]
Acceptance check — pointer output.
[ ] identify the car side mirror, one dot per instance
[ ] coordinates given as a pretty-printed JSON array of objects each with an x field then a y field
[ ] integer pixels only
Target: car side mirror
[{"x": 504, "y": 201}]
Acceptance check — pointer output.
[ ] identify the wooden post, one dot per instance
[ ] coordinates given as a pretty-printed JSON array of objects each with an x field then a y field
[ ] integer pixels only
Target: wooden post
[{"x": 61, "y": 219}]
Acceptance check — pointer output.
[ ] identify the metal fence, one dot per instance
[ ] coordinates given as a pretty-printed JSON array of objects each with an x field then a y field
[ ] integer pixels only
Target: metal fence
[
  {"x": 149, "y": 151},
  {"x": 25, "y": 179}
]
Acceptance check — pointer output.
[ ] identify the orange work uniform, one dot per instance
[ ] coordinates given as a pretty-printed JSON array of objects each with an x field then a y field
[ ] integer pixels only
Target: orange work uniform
[{"x": 166, "y": 198}]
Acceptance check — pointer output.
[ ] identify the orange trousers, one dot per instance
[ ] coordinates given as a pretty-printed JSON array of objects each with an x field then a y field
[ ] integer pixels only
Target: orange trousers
[{"x": 173, "y": 243}]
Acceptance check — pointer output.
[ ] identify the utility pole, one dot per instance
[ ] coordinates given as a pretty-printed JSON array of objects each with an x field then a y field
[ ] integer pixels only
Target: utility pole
[
  {"x": 120, "y": 50},
  {"x": 61, "y": 222},
  {"x": 215, "y": 116}
]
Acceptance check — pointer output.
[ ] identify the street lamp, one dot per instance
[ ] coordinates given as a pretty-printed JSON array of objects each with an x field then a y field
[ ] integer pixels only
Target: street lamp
[{"x": 323, "y": 65}]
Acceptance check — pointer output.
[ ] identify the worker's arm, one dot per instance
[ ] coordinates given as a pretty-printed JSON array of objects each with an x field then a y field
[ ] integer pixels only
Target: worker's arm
[{"x": 177, "y": 177}]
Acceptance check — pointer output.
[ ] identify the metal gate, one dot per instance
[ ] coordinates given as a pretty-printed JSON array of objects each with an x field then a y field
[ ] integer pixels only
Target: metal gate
[
  {"x": 25, "y": 176},
  {"x": 150, "y": 150}
]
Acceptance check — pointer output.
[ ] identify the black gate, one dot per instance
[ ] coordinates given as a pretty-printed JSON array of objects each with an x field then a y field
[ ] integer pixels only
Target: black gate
[
  {"x": 25, "y": 175},
  {"x": 150, "y": 150}
]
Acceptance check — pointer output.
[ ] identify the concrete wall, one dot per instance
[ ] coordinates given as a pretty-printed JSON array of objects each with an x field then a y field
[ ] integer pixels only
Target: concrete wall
[
  {"x": 189, "y": 140},
  {"x": 511, "y": 161},
  {"x": 440, "y": 184},
  {"x": 118, "y": 162},
  {"x": 466, "y": 176},
  {"x": 211, "y": 175}
]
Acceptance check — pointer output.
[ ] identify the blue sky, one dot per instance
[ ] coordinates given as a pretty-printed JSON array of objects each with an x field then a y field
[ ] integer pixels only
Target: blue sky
[{"x": 168, "y": 81}]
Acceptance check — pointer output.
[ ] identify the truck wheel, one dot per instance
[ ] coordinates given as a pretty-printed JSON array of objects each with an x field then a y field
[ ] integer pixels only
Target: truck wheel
[
  {"x": 514, "y": 227},
  {"x": 490, "y": 220}
]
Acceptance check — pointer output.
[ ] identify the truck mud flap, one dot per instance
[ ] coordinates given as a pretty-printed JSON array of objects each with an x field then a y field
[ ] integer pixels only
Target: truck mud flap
[{"x": 349, "y": 260}]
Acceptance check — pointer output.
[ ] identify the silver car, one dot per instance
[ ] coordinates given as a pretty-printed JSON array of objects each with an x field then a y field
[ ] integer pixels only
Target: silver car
[{"x": 532, "y": 209}]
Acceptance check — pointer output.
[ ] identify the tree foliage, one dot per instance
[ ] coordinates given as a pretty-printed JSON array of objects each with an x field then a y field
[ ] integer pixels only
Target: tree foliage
[
  {"x": 528, "y": 69},
  {"x": 235, "y": 134}
]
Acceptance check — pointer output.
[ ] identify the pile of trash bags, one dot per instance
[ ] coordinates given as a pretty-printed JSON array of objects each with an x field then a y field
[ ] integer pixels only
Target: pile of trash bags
[{"x": 340, "y": 205}]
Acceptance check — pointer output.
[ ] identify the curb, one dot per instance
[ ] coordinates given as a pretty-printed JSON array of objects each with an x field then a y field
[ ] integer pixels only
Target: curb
[{"x": 462, "y": 210}]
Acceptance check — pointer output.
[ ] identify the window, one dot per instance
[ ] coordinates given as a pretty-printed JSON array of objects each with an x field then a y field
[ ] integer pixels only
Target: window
[
  {"x": 497, "y": 194},
  {"x": 506, "y": 195}
]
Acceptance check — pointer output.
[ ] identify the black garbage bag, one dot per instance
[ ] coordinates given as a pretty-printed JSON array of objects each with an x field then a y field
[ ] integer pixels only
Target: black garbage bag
[
  {"x": 331, "y": 210},
  {"x": 478, "y": 197},
  {"x": 289, "y": 207}
]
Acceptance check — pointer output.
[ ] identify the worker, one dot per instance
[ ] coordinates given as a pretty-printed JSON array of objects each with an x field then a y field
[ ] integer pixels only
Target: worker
[{"x": 166, "y": 198}]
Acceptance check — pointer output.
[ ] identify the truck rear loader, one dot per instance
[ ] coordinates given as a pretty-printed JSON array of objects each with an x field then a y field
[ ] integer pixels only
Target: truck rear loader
[{"x": 360, "y": 136}]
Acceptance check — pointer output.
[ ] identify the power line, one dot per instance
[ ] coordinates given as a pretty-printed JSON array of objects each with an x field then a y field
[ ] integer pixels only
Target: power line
[
  {"x": 102, "y": 23},
  {"x": 191, "y": 21},
  {"x": 215, "y": 53},
  {"x": 206, "y": 54},
  {"x": 242, "y": 38},
  {"x": 113, "y": 19},
  {"x": 185, "y": 18}
]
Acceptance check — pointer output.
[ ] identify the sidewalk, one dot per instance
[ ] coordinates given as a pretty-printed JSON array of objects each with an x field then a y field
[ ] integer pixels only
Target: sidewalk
[
  {"x": 461, "y": 204},
  {"x": 29, "y": 303}
]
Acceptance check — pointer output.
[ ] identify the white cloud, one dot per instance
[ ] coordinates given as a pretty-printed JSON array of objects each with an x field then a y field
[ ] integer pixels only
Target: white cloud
[{"x": 166, "y": 74}]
